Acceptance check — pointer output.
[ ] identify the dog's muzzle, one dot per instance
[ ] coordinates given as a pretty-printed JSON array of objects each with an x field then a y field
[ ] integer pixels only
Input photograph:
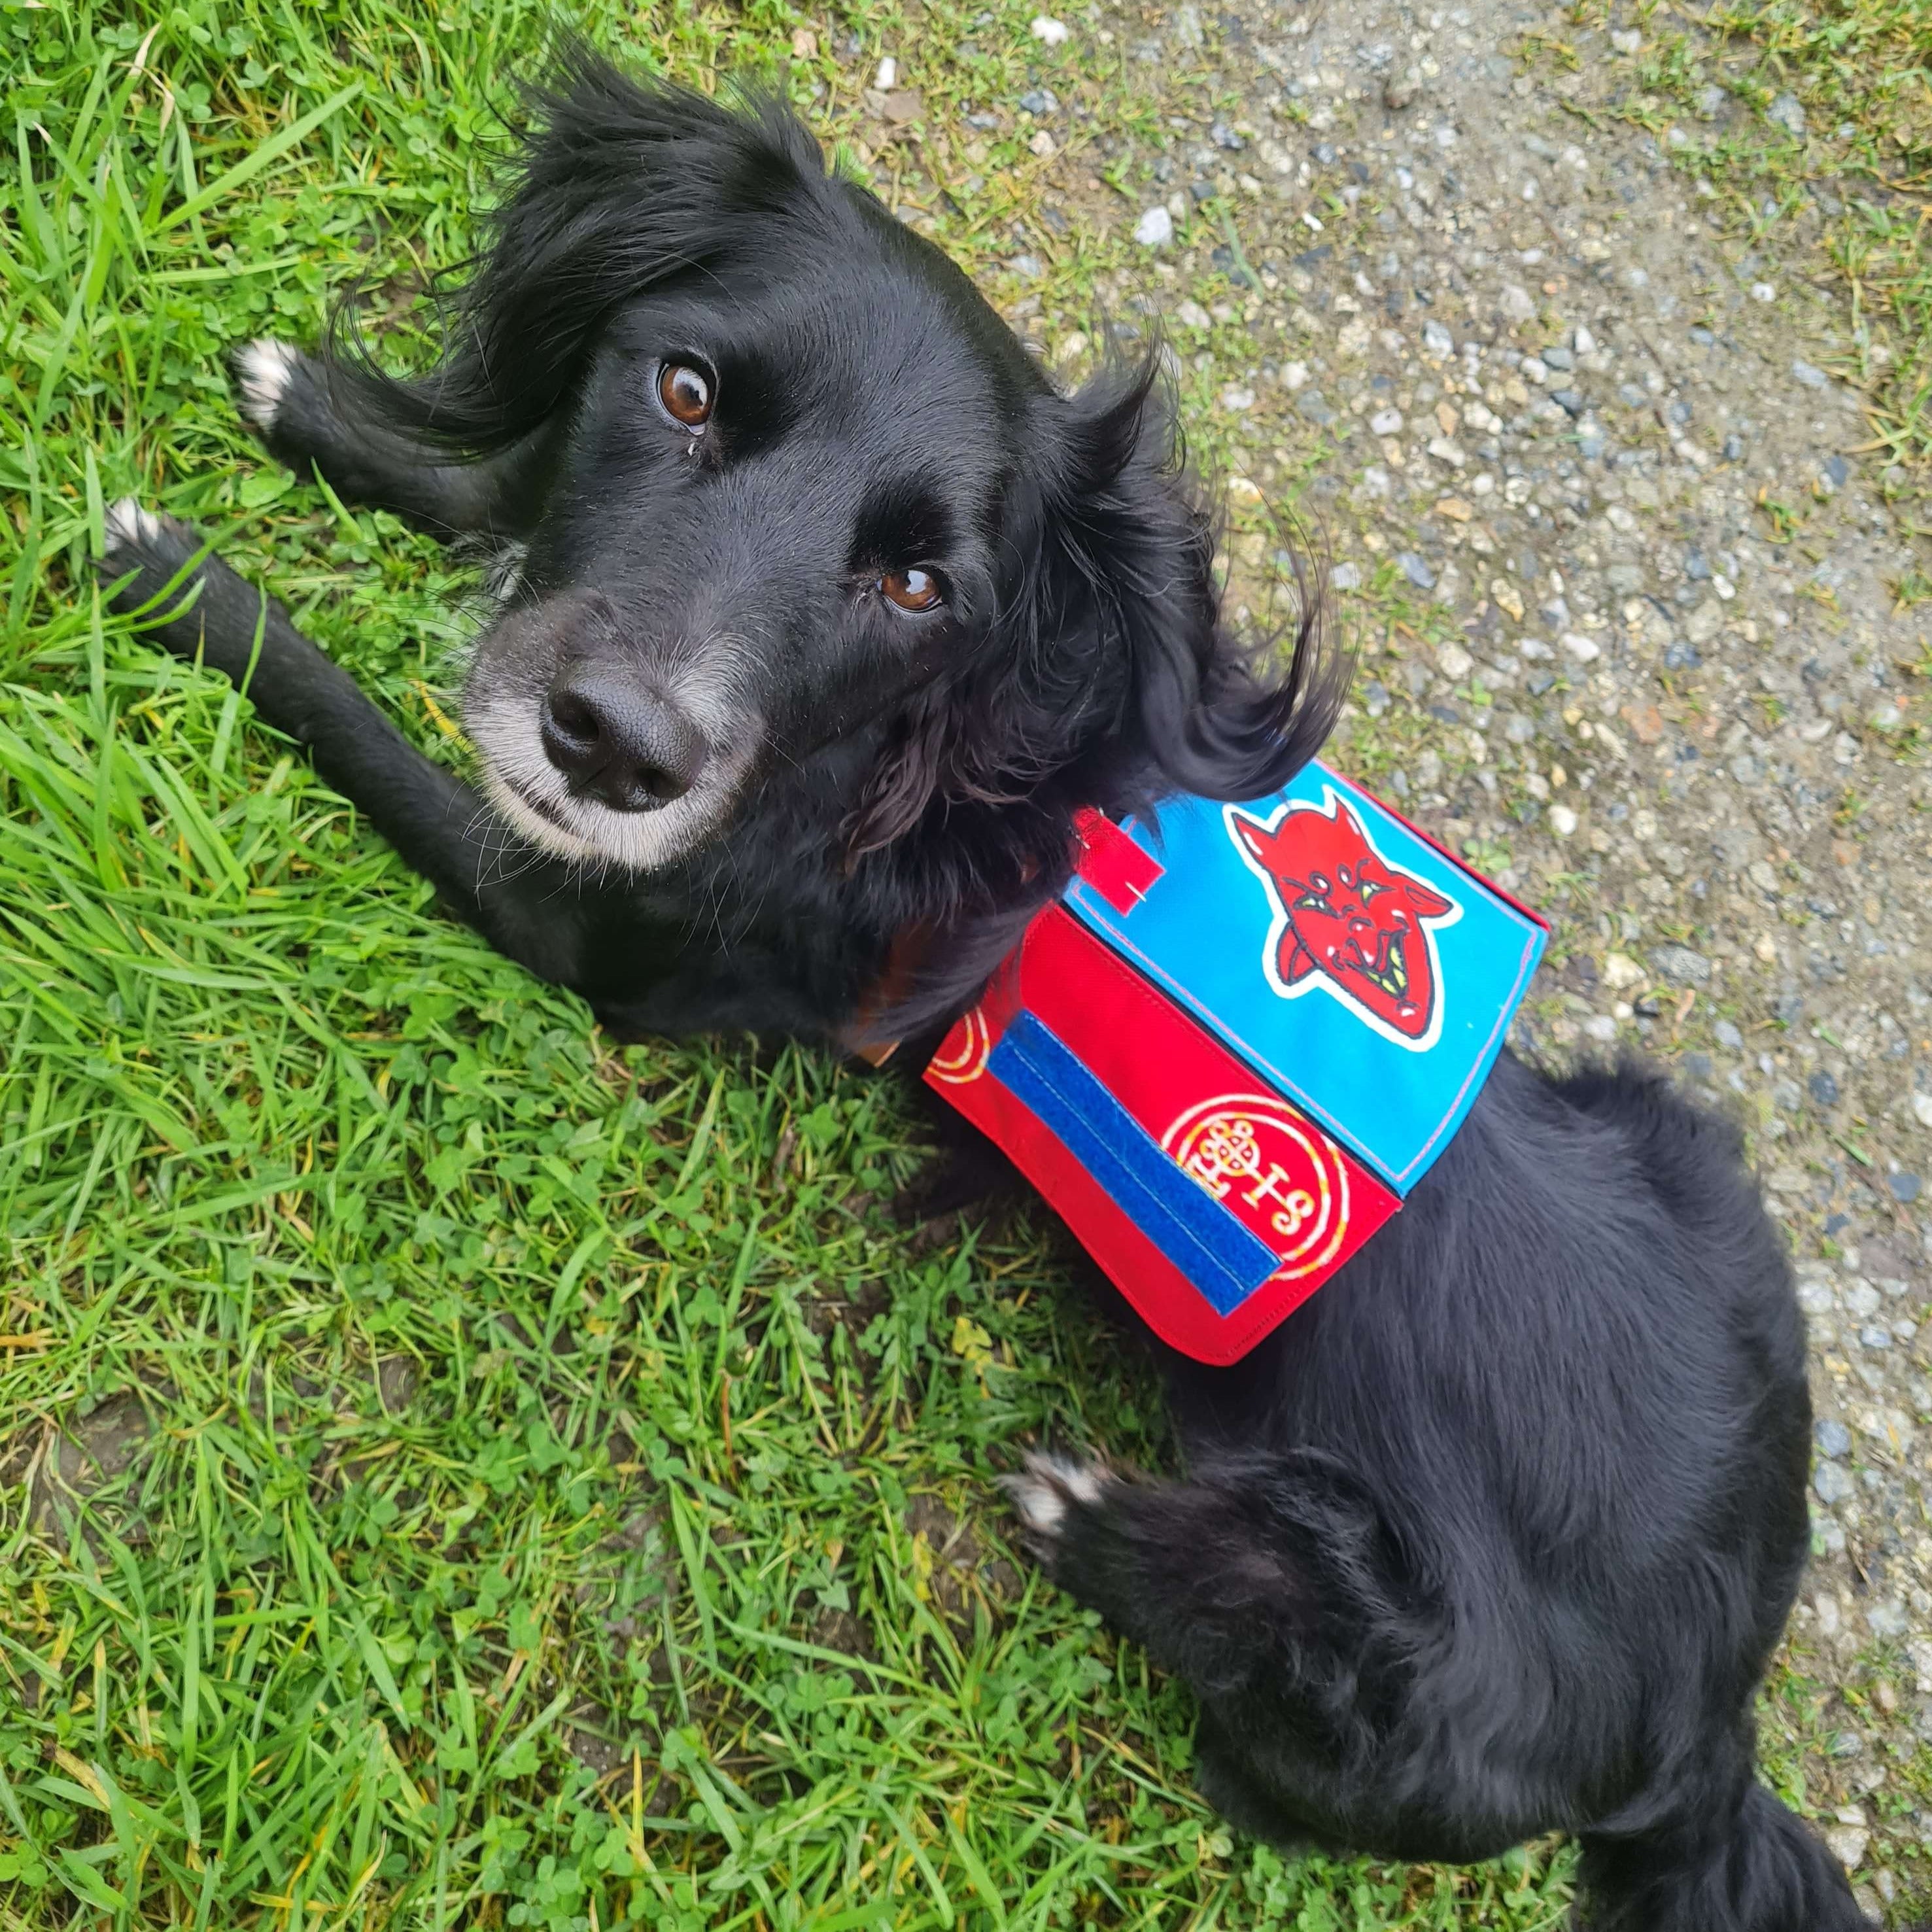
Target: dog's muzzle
[{"x": 603, "y": 752}]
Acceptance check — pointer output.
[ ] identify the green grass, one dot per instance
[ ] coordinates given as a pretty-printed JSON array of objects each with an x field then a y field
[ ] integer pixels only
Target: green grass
[{"x": 455, "y": 1471}]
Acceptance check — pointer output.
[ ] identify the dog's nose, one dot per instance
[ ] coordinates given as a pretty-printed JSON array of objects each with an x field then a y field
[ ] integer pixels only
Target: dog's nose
[{"x": 617, "y": 740}]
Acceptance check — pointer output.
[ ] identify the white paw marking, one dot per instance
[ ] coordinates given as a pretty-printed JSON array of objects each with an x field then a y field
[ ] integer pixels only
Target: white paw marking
[
  {"x": 128, "y": 524},
  {"x": 1042, "y": 1492},
  {"x": 265, "y": 367}
]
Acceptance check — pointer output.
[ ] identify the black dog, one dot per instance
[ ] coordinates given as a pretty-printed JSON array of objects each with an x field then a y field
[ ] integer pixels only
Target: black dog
[{"x": 823, "y": 613}]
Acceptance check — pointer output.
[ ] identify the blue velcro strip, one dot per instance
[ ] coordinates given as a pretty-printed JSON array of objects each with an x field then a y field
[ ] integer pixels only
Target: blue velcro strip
[{"x": 1204, "y": 1240}]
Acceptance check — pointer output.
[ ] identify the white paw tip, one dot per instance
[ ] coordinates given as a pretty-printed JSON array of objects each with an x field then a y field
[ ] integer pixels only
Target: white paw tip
[
  {"x": 127, "y": 523},
  {"x": 1042, "y": 1492},
  {"x": 264, "y": 367}
]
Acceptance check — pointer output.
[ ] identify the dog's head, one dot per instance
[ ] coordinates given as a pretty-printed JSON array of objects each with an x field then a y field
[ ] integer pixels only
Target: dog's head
[{"x": 801, "y": 500}]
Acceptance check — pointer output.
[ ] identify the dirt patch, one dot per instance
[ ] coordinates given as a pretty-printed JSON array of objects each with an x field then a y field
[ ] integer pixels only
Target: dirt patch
[
  {"x": 590, "y": 1735},
  {"x": 840, "y": 1630},
  {"x": 86, "y": 1456},
  {"x": 398, "y": 1377},
  {"x": 958, "y": 1575},
  {"x": 1627, "y": 582}
]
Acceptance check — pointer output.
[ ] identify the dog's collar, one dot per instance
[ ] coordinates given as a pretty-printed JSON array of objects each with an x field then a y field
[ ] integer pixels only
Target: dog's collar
[
  {"x": 912, "y": 946},
  {"x": 1102, "y": 854},
  {"x": 905, "y": 956}
]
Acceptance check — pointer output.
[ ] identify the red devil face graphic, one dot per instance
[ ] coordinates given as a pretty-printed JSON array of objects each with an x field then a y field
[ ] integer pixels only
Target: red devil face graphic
[{"x": 1348, "y": 916}]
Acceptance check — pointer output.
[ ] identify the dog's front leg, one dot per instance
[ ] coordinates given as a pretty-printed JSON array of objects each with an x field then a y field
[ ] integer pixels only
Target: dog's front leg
[
  {"x": 309, "y": 413},
  {"x": 528, "y": 906}
]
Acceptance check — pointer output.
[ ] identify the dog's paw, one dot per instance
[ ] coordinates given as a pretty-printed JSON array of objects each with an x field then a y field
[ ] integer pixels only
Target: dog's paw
[
  {"x": 187, "y": 601},
  {"x": 139, "y": 540},
  {"x": 147, "y": 565},
  {"x": 263, "y": 370},
  {"x": 1049, "y": 1492},
  {"x": 972, "y": 1175},
  {"x": 130, "y": 526}
]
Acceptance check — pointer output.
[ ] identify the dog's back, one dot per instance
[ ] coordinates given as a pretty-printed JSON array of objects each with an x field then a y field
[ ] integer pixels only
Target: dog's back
[{"x": 1496, "y": 1535}]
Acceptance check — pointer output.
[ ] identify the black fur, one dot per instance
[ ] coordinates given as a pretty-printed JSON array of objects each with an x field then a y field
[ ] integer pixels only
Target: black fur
[
  {"x": 1496, "y": 1536},
  {"x": 1496, "y": 1533}
]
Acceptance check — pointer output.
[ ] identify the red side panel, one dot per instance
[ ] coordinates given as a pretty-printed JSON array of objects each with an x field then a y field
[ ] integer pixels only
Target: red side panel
[{"x": 1265, "y": 1162}]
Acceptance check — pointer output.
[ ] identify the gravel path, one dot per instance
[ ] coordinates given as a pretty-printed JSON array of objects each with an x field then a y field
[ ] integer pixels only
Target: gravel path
[{"x": 1666, "y": 695}]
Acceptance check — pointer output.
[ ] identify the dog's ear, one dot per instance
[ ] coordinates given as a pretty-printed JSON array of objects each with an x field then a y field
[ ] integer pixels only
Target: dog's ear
[
  {"x": 1220, "y": 718},
  {"x": 1108, "y": 654},
  {"x": 618, "y": 184}
]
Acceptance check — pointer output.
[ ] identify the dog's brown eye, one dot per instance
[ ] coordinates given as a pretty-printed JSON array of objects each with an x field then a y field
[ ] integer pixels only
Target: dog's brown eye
[
  {"x": 914, "y": 590},
  {"x": 685, "y": 393}
]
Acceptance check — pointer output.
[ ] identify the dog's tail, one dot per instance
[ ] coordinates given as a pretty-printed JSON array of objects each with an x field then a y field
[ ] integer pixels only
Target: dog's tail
[{"x": 1750, "y": 1866}]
